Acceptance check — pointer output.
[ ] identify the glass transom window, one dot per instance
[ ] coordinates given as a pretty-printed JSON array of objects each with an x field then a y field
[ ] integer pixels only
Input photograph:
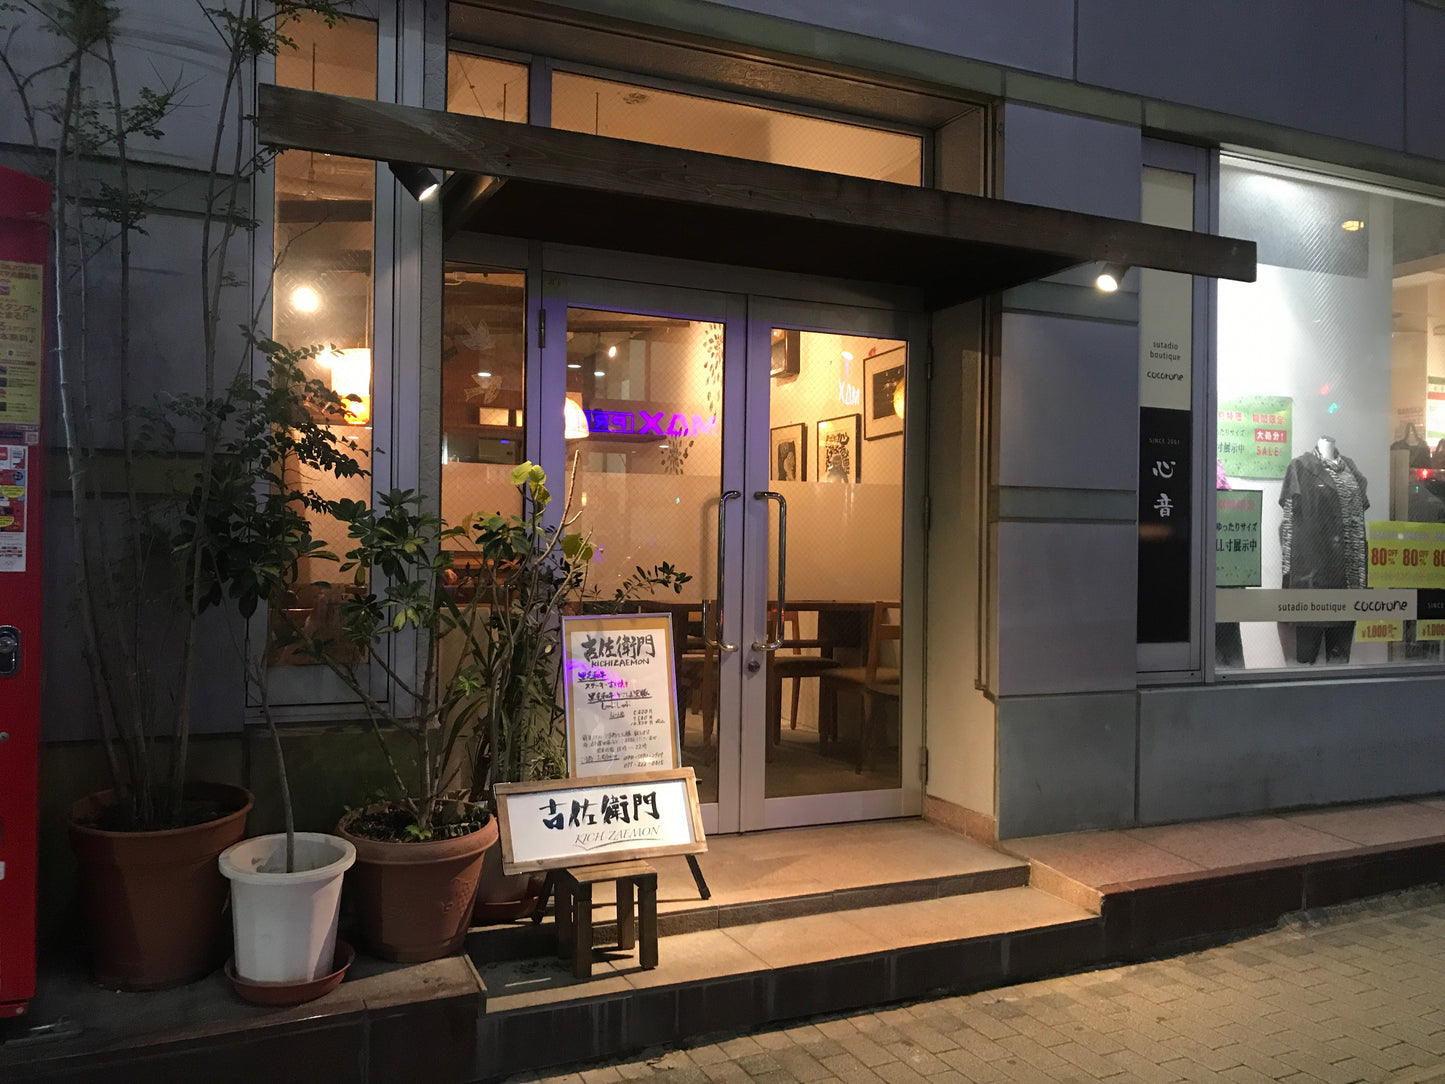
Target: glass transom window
[{"x": 584, "y": 103}]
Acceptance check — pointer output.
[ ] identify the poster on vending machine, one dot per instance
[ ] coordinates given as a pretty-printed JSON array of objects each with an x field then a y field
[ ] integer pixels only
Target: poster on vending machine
[{"x": 12, "y": 507}]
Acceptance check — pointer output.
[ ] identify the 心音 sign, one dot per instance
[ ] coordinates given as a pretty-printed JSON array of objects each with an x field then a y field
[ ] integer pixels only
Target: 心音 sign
[
  {"x": 620, "y": 695},
  {"x": 575, "y": 822}
]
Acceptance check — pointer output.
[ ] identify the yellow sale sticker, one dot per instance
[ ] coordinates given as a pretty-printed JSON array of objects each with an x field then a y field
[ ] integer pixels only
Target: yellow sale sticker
[
  {"x": 1404, "y": 554},
  {"x": 1379, "y": 632}
]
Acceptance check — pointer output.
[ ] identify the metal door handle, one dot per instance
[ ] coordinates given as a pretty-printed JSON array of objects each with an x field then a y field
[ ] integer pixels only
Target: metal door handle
[
  {"x": 768, "y": 495},
  {"x": 719, "y": 644}
]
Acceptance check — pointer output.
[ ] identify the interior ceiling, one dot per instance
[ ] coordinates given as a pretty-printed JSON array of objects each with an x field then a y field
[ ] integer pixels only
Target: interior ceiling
[{"x": 1419, "y": 232}]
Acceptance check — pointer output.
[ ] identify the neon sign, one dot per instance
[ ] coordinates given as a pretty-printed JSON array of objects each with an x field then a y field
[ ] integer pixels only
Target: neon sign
[
  {"x": 641, "y": 423},
  {"x": 849, "y": 394}
]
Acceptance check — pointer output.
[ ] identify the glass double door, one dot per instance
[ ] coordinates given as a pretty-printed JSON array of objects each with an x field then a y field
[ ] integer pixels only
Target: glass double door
[{"x": 758, "y": 447}]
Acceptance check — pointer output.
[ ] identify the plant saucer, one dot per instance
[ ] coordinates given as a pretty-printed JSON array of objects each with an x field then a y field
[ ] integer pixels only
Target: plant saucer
[{"x": 293, "y": 993}]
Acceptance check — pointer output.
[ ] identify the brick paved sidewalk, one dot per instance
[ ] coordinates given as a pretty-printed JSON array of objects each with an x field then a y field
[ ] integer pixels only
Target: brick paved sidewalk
[{"x": 1348, "y": 993}]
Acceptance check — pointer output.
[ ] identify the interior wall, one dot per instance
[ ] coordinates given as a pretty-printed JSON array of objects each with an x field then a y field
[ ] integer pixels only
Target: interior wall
[{"x": 959, "y": 718}]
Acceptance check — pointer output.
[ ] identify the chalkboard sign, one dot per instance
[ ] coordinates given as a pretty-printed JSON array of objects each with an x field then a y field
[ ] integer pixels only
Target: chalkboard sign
[
  {"x": 557, "y": 823},
  {"x": 620, "y": 692}
]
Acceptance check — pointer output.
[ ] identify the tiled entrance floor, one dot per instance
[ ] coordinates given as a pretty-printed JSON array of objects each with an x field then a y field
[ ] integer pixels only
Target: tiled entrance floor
[{"x": 800, "y": 922}]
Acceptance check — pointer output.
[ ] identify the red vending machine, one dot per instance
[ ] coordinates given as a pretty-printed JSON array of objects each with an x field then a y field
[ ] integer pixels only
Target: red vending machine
[{"x": 24, "y": 245}]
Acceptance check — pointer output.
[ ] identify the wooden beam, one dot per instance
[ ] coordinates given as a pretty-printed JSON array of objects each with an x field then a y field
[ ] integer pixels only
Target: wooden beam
[
  {"x": 462, "y": 195},
  {"x": 556, "y": 159}
]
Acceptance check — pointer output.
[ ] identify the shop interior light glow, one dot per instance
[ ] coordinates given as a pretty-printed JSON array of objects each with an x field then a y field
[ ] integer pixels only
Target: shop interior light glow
[
  {"x": 305, "y": 299},
  {"x": 574, "y": 423},
  {"x": 351, "y": 376}
]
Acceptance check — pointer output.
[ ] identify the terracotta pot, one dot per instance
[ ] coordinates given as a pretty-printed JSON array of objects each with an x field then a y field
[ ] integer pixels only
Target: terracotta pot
[
  {"x": 414, "y": 900},
  {"x": 503, "y": 897},
  {"x": 154, "y": 902}
]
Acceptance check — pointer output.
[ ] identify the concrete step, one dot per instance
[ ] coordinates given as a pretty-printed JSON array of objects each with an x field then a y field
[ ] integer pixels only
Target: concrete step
[
  {"x": 747, "y": 974},
  {"x": 795, "y": 873}
]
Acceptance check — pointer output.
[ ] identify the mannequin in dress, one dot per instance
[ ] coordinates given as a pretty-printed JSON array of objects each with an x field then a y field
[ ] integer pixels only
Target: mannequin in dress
[{"x": 1322, "y": 539}]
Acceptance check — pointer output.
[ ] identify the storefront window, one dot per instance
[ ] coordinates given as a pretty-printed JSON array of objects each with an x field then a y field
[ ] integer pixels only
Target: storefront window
[
  {"x": 322, "y": 287},
  {"x": 483, "y": 389},
  {"x": 482, "y": 87},
  {"x": 1330, "y": 439},
  {"x": 582, "y": 103}
]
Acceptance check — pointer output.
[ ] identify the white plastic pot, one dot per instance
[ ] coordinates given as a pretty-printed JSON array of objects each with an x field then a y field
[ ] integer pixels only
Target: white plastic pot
[{"x": 285, "y": 923}]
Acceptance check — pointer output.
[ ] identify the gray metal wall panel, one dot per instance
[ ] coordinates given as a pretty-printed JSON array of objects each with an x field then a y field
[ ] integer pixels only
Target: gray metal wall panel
[
  {"x": 1066, "y": 607},
  {"x": 1065, "y": 763},
  {"x": 979, "y": 29},
  {"x": 1071, "y": 162},
  {"x": 1424, "y": 87},
  {"x": 1069, "y": 403},
  {"x": 1215, "y": 751},
  {"x": 1331, "y": 68}
]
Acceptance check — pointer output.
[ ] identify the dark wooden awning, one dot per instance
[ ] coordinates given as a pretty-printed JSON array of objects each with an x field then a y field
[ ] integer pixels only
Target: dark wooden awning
[{"x": 518, "y": 180}]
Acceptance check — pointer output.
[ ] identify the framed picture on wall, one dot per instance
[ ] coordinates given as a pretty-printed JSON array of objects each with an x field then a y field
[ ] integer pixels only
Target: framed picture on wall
[
  {"x": 787, "y": 352},
  {"x": 790, "y": 453},
  {"x": 883, "y": 393},
  {"x": 840, "y": 449}
]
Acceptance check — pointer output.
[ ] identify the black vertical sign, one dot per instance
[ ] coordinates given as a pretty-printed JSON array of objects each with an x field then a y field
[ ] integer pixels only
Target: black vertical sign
[{"x": 1165, "y": 512}]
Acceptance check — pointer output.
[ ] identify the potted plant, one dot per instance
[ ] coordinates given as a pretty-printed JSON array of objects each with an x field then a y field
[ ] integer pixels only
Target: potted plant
[
  {"x": 525, "y": 576},
  {"x": 480, "y": 602},
  {"x": 247, "y": 530},
  {"x": 146, "y": 845},
  {"x": 419, "y": 849}
]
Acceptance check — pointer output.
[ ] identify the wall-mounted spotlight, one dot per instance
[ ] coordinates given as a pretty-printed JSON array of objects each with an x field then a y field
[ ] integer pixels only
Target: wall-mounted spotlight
[
  {"x": 421, "y": 182},
  {"x": 1110, "y": 276}
]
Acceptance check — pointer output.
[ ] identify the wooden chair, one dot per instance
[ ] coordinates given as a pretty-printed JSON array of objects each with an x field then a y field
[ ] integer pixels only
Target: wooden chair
[
  {"x": 696, "y": 670},
  {"x": 795, "y": 666},
  {"x": 694, "y": 663},
  {"x": 873, "y": 680}
]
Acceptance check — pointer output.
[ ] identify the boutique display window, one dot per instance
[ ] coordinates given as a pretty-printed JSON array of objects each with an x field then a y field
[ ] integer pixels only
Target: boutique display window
[{"x": 1330, "y": 426}]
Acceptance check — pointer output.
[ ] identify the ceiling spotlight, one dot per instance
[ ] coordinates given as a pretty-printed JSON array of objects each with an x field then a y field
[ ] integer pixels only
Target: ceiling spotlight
[
  {"x": 305, "y": 299},
  {"x": 599, "y": 372},
  {"x": 612, "y": 351},
  {"x": 1110, "y": 276},
  {"x": 573, "y": 365},
  {"x": 1352, "y": 225},
  {"x": 421, "y": 182},
  {"x": 484, "y": 375}
]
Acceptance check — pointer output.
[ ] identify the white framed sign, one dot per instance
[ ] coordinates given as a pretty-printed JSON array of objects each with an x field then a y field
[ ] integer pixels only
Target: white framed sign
[
  {"x": 556, "y": 823},
  {"x": 620, "y": 692},
  {"x": 1312, "y": 604}
]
